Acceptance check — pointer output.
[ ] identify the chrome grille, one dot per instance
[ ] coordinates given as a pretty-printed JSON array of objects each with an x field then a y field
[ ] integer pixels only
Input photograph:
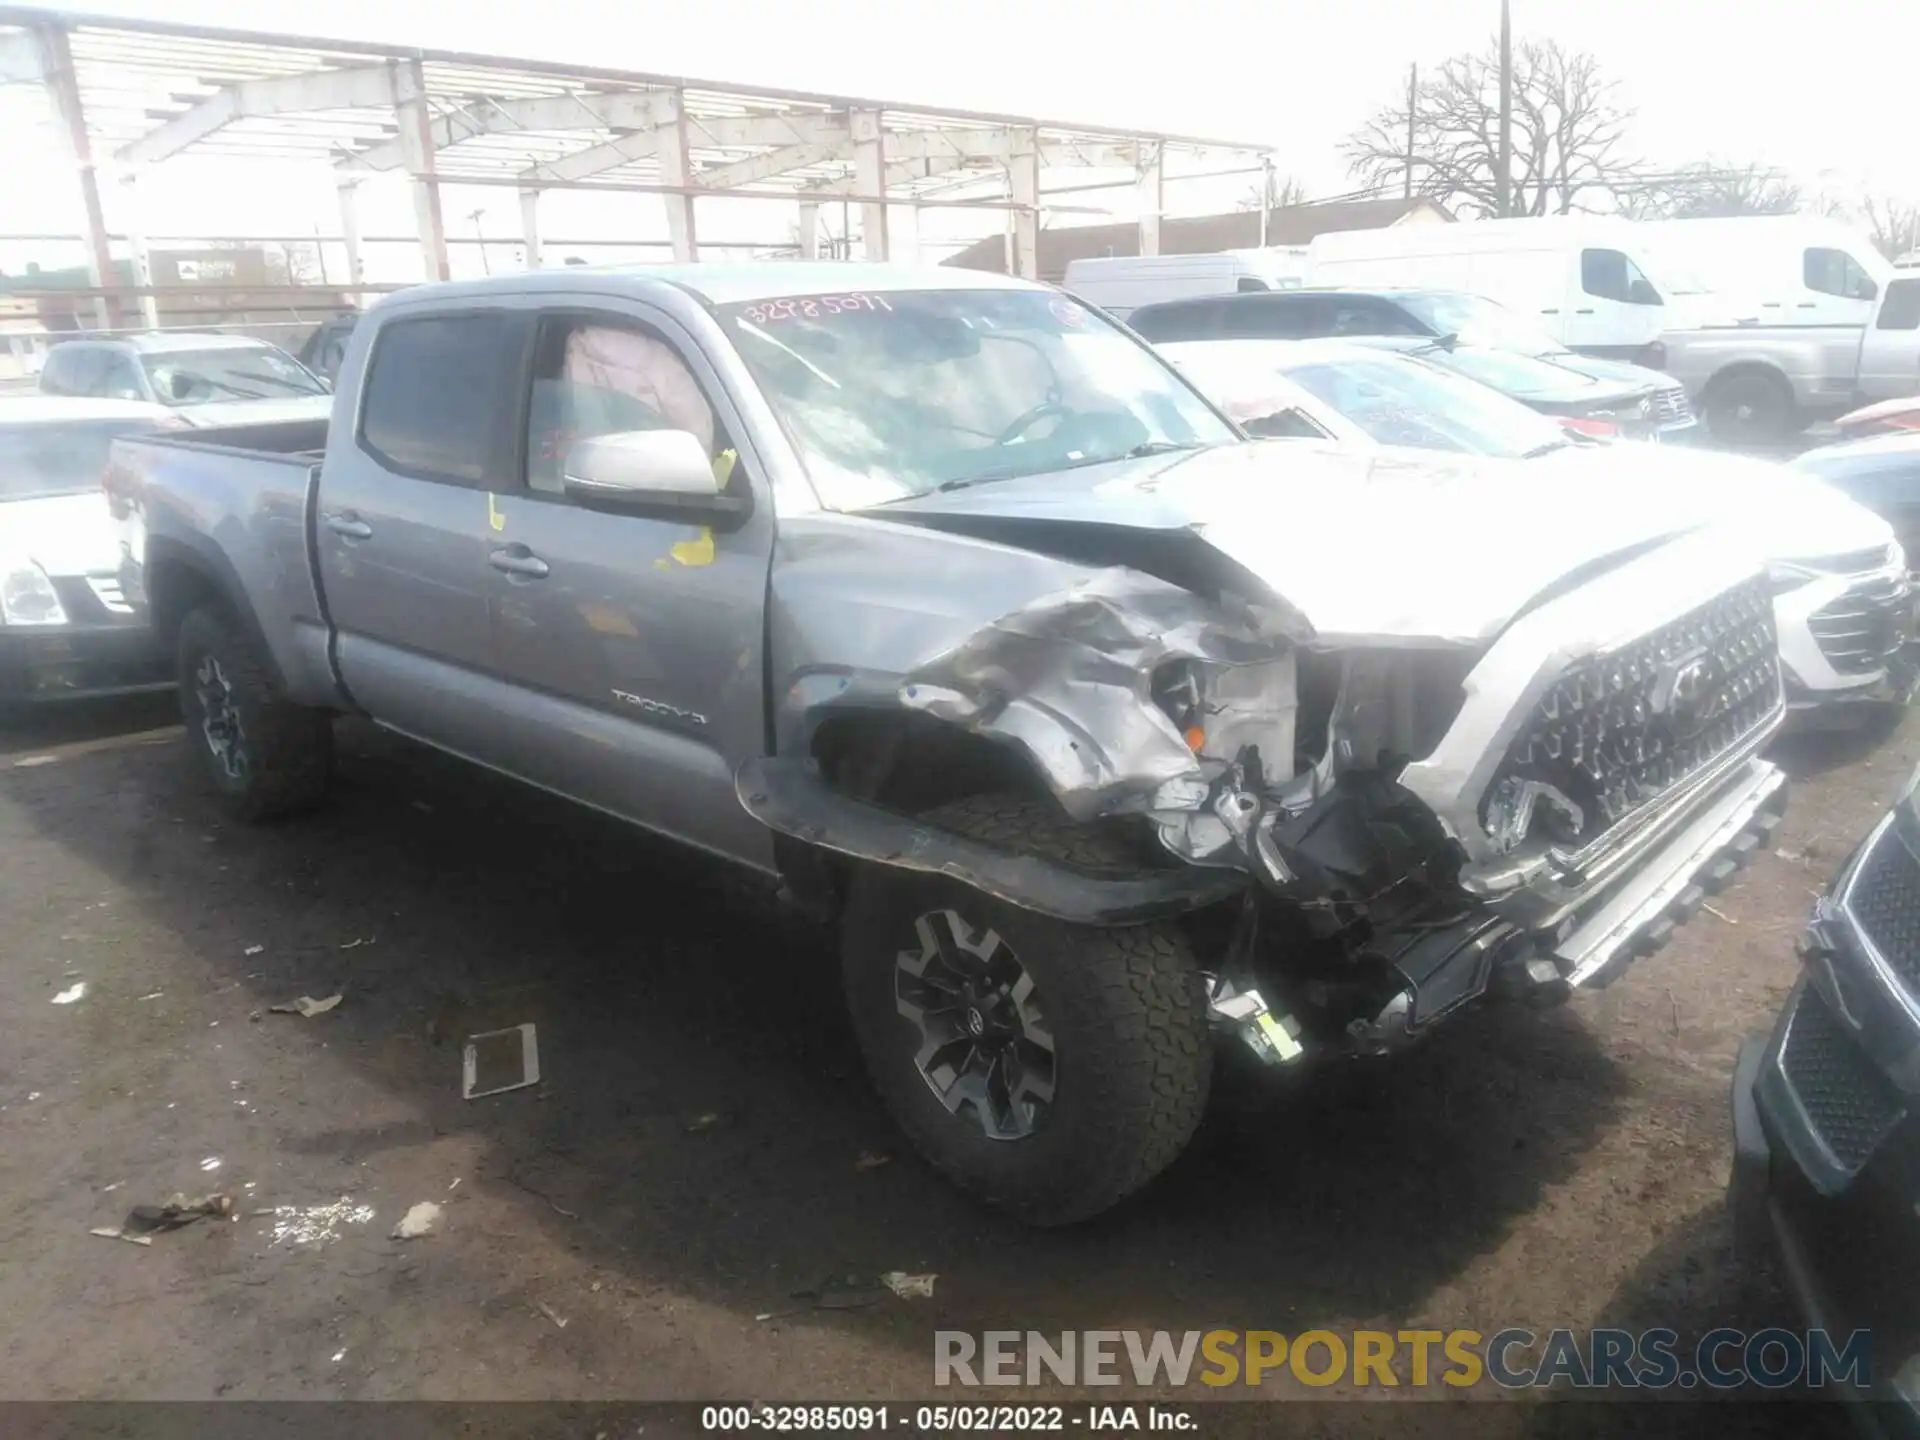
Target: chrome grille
[
  {"x": 1670, "y": 405},
  {"x": 1851, "y": 1106},
  {"x": 1862, "y": 629},
  {"x": 1619, "y": 730},
  {"x": 106, "y": 589},
  {"x": 1884, "y": 899}
]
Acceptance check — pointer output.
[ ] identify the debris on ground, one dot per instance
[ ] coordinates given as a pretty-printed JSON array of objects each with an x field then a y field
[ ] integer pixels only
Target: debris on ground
[
  {"x": 315, "y": 1224},
  {"x": 548, "y": 1311},
  {"x": 114, "y": 1232},
  {"x": 28, "y": 762},
  {"x": 72, "y": 993},
  {"x": 418, "y": 1221},
  {"x": 872, "y": 1160},
  {"x": 499, "y": 1060},
  {"x": 854, "y": 1292},
  {"x": 306, "y": 1007},
  {"x": 143, "y": 1222},
  {"x": 356, "y": 944},
  {"x": 211, "y": 1163},
  {"x": 254, "y": 950},
  {"x": 700, "y": 1124}
]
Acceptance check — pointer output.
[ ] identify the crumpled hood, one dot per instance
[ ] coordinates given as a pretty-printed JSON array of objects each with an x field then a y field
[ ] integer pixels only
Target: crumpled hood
[
  {"x": 1387, "y": 545},
  {"x": 1783, "y": 513},
  {"x": 62, "y": 534}
]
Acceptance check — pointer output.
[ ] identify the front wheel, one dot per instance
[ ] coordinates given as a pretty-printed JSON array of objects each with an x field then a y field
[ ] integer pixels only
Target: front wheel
[
  {"x": 1051, "y": 1069},
  {"x": 263, "y": 755}
]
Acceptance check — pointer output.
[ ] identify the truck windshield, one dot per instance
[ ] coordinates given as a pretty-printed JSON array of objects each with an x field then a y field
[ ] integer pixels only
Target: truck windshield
[
  {"x": 891, "y": 394},
  {"x": 64, "y": 458},
  {"x": 200, "y": 377},
  {"x": 1408, "y": 402}
]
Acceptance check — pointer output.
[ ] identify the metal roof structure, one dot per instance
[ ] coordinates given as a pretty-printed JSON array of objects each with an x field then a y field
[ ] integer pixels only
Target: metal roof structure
[{"x": 134, "y": 93}]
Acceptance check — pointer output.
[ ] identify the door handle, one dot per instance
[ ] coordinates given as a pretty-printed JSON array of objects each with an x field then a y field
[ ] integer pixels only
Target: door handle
[
  {"x": 518, "y": 560},
  {"x": 349, "y": 525},
  {"x": 1587, "y": 311}
]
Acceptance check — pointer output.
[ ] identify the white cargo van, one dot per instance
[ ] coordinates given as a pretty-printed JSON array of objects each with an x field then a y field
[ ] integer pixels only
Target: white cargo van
[
  {"x": 1586, "y": 277},
  {"x": 1120, "y": 284},
  {"x": 1775, "y": 269}
]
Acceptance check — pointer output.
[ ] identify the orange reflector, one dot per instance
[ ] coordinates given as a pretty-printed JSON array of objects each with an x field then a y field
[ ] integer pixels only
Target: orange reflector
[{"x": 1196, "y": 738}]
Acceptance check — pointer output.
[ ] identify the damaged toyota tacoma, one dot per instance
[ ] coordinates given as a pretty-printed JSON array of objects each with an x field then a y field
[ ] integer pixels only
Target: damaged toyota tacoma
[{"x": 1107, "y": 737}]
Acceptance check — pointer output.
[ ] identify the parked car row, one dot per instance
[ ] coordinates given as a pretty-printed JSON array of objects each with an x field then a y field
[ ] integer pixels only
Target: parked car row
[{"x": 1766, "y": 323}]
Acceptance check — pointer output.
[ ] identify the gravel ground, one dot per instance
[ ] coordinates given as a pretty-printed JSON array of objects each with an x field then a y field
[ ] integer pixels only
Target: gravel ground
[{"x": 694, "y": 1154}]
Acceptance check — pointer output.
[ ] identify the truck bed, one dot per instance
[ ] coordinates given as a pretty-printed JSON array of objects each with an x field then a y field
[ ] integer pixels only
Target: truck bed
[{"x": 251, "y": 488}]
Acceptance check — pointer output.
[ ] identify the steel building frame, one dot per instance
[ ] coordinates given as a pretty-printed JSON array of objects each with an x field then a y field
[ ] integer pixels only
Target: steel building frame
[{"x": 131, "y": 94}]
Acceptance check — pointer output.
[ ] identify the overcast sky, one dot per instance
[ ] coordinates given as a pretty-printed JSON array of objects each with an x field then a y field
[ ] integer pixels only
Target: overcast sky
[{"x": 1824, "y": 92}]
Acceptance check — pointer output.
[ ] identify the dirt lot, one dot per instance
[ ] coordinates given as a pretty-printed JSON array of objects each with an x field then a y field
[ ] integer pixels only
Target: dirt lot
[{"x": 691, "y": 1158}]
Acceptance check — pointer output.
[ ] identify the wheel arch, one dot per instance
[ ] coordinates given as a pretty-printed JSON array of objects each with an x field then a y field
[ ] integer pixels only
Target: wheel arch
[{"x": 179, "y": 576}]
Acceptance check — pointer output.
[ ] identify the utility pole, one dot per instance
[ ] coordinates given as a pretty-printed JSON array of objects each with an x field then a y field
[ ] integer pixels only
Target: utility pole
[
  {"x": 1503, "y": 182},
  {"x": 1413, "y": 102}
]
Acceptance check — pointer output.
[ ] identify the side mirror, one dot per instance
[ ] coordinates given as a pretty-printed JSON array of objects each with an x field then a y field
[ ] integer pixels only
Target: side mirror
[
  {"x": 179, "y": 385},
  {"x": 665, "y": 474}
]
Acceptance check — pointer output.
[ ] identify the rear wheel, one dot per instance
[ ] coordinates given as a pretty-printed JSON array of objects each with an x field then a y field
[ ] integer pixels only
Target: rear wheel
[
  {"x": 1050, "y": 1069},
  {"x": 263, "y": 755},
  {"x": 1750, "y": 409}
]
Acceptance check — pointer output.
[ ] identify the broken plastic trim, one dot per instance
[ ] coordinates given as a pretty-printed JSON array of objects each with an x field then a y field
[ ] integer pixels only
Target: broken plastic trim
[{"x": 791, "y": 797}]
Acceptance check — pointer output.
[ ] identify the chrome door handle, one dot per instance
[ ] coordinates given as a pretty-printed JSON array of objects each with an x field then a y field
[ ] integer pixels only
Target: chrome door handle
[
  {"x": 349, "y": 525},
  {"x": 518, "y": 562}
]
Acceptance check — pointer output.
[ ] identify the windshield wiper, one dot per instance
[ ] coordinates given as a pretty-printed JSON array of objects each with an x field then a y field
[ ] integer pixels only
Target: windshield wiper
[
  {"x": 1159, "y": 447},
  {"x": 287, "y": 386},
  {"x": 1547, "y": 449}
]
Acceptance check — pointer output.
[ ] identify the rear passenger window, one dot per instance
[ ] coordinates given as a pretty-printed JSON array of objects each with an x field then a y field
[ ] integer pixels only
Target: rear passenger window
[
  {"x": 71, "y": 370},
  {"x": 1272, "y": 317},
  {"x": 434, "y": 392},
  {"x": 1901, "y": 309}
]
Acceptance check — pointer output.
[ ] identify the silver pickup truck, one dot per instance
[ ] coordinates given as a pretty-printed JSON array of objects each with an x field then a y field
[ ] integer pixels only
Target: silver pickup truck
[
  {"x": 1105, "y": 735},
  {"x": 1756, "y": 384}
]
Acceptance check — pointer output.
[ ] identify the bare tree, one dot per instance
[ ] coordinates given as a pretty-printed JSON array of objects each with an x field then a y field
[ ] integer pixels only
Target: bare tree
[
  {"x": 1708, "y": 189},
  {"x": 1277, "y": 191},
  {"x": 1892, "y": 225},
  {"x": 1568, "y": 125}
]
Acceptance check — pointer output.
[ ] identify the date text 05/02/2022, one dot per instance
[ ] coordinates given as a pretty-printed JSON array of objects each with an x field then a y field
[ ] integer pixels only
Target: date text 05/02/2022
[{"x": 947, "y": 1419}]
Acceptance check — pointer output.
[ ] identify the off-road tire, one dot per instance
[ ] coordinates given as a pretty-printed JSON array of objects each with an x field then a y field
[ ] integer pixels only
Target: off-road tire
[
  {"x": 287, "y": 748},
  {"x": 1126, "y": 1007}
]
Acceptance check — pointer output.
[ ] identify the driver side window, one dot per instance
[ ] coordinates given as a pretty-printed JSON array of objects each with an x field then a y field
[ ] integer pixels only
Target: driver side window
[
  {"x": 1835, "y": 272},
  {"x": 1612, "y": 275},
  {"x": 596, "y": 377}
]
